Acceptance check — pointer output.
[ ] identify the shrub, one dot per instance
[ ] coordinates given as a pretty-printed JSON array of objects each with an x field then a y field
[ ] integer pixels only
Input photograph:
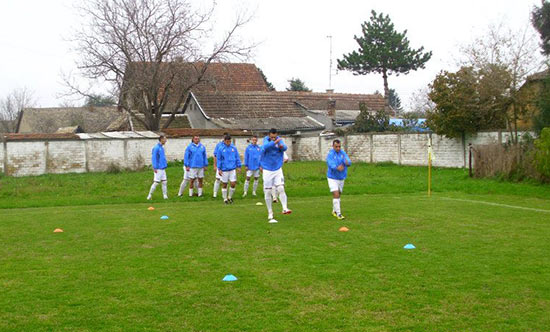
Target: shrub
[{"x": 542, "y": 154}]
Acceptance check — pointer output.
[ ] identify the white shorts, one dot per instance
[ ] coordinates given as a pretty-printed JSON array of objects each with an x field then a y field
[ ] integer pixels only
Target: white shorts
[
  {"x": 195, "y": 172},
  {"x": 229, "y": 176},
  {"x": 335, "y": 185},
  {"x": 160, "y": 175},
  {"x": 218, "y": 176},
  {"x": 273, "y": 178},
  {"x": 255, "y": 173}
]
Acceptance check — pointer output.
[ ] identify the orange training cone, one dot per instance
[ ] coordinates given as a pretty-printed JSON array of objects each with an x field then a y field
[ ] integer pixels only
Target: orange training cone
[
  {"x": 343, "y": 229},
  {"x": 151, "y": 208},
  {"x": 58, "y": 230}
]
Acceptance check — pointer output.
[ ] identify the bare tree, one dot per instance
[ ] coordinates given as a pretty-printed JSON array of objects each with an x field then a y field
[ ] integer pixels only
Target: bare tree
[
  {"x": 420, "y": 103},
  {"x": 11, "y": 106},
  {"x": 513, "y": 52},
  {"x": 152, "y": 52}
]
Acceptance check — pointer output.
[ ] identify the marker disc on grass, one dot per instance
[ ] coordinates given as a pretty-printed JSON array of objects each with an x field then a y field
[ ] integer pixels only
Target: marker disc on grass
[
  {"x": 150, "y": 208},
  {"x": 229, "y": 277},
  {"x": 409, "y": 246},
  {"x": 164, "y": 217},
  {"x": 58, "y": 230},
  {"x": 343, "y": 229}
]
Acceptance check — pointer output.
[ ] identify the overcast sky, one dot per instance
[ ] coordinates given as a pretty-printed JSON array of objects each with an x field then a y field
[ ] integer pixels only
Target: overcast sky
[{"x": 292, "y": 36}]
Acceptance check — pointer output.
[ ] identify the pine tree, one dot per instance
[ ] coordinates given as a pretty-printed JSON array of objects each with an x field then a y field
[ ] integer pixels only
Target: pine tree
[
  {"x": 540, "y": 17},
  {"x": 383, "y": 50}
]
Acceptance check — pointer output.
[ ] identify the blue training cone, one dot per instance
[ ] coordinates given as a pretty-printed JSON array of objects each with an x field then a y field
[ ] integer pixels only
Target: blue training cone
[
  {"x": 229, "y": 277},
  {"x": 409, "y": 246},
  {"x": 164, "y": 217}
]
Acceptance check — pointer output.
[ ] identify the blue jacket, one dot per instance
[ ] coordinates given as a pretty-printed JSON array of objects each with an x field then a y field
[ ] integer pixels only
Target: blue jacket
[
  {"x": 217, "y": 148},
  {"x": 334, "y": 160},
  {"x": 195, "y": 156},
  {"x": 158, "y": 159},
  {"x": 252, "y": 156},
  {"x": 228, "y": 158},
  {"x": 272, "y": 155}
]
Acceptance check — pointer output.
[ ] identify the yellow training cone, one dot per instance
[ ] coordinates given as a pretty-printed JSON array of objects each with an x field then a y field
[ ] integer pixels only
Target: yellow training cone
[
  {"x": 58, "y": 230},
  {"x": 343, "y": 229}
]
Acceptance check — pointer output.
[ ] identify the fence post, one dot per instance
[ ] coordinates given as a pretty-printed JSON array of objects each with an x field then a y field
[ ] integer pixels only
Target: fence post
[
  {"x": 5, "y": 156},
  {"x": 470, "y": 172}
]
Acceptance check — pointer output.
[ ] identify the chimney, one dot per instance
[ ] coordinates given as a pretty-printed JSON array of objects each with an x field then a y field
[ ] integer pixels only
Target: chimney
[{"x": 332, "y": 108}]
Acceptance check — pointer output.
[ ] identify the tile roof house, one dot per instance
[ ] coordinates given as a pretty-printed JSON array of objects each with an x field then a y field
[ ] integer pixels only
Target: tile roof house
[
  {"x": 287, "y": 111},
  {"x": 50, "y": 120},
  {"x": 339, "y": 109},
  {"x": 253, "y": 111}
]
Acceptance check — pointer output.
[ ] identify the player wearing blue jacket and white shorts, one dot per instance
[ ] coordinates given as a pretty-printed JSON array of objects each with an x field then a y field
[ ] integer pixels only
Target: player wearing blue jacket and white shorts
[
  {"x": 337, "y": 163},
  {"x": 159, "y": 164},
  {"x": 252, "y": 156},
  {"x": 194, "y": 164},
  {"x": 218, "y": 177},
  {"x": 228, "y": 163},
  {"x": 271, "y": 163}
]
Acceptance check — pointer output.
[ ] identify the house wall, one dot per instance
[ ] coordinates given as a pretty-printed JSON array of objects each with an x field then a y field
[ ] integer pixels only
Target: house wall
[{"x": 34, "y": 157}]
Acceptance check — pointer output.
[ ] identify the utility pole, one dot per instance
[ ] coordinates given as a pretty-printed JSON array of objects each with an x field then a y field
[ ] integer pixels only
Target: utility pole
[{"x": 330, "y": 64}]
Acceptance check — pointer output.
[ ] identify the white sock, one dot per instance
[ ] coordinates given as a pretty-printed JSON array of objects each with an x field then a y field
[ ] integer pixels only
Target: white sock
[
  {"x": 336, "y": 205},
  {"x": 190, "y": 192},
  {"x": 268, "y": 201},
  {"x": 216, "y": 187},
  {"x": 231, "y": 192},
  {"x": 182, "y": 186},
  {"x": 153, "y": 187},
  {"x": 246, "y": 183},
  {"x": 282, "y": 196},
  {"x": 274, "y": 193},
  {"x": 224, "y": 193},
  {"x": 200, "y": 191},
  {"x": 255, "y": 185},
  {"x": 164, "y": 188}
]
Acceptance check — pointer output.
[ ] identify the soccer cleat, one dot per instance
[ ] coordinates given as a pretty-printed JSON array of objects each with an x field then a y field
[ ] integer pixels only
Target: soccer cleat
[
  {"x": 340, "y": 216},
  {"x": 272, "y": 221},
  {"x": 226, "y": 201},
  {"x": 244, "y": 195},
  {"x": 180, "y": 195},
  {"x": 275, "y": 200},
  {"x": 165, "y": 196},
  {"x": 214, "y": 195},
  {"x": 287, "y": 211},
  {"x": 334, "y": 214},
  {"x": 230, "y": 200},
  {"x": 254, "y": 193},
  {"x": 270, "y": 216},
  {"x": 149, "y": 197},
  {"x": 199, "y": 195}
]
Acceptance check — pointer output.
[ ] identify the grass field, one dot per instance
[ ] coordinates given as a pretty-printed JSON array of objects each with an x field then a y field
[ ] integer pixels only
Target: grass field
[{"x": 481, "y": 261}]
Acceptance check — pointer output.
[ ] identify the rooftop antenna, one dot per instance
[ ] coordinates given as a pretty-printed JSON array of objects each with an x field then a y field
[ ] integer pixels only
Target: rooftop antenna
[{"x": 330, "y": 64}]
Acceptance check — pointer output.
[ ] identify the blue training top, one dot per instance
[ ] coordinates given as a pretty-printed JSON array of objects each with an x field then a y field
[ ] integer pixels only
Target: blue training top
[
  {"x": 228, "y": 158},
  {"x": 335, "y": 159},
  {"x": 272, "y": 154},
  {"x": 195, "y": 156},
  {"x": 217, "y": 148},
  {"x": 158, "y": 159},
  {"x": 252, "y": 156}
]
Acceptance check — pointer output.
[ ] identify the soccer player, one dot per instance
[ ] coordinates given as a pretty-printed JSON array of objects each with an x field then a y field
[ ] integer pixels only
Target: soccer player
[
  {"x": 271, "y": 162},
  {"x": 229, "y": 163},
  {"x": 218, "y": 178},
  {"x": 195, "y": 163},
  {"x": 338, "y": 163},
  {"x": 158, "y": 161},
  {"x": 274, "y": 192},
  {"x": 252, "y": 165}
]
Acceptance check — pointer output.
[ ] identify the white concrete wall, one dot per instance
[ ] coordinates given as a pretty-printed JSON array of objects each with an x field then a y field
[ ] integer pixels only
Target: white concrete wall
[{"x": 82, "y": 155}]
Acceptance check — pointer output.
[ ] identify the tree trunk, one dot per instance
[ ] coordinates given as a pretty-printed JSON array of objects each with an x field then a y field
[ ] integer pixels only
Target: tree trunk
[{"x": 386, "y": 89}]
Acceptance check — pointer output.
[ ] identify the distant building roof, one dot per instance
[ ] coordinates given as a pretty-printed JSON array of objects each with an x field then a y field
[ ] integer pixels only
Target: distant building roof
[
  {"x": 180, "y": 121},
  {"x": 254, "y": 110},
  {"x": 342, "y": 101},
  {"x": 49, "y": 120},
  {"x": 539, "y": 76}
]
